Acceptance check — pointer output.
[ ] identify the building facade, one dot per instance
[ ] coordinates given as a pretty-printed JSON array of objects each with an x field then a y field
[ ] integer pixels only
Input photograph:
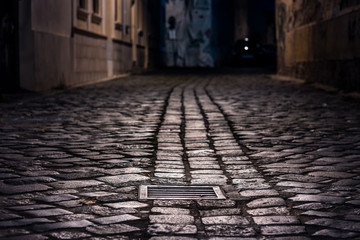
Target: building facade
[
  {"x": 65, "y": 43},
  {"x": 319, "y": 41}
]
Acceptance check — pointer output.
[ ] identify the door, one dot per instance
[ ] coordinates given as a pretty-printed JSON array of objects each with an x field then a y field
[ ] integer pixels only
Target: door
[{"x": 9, "y": 47}]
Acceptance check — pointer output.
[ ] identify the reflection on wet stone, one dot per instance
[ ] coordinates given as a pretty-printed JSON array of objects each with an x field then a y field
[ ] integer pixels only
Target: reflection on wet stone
[{"x": 71, "y": 162}]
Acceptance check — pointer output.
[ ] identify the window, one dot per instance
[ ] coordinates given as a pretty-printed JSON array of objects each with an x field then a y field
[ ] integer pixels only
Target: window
[
  {"x": 82, "y": 13},
  {"x": 82, "y": 4},
  {"x": 96, "y": 6},
  {"x": 118, "y": 15},
  {"x": 116, "y": 11},
  {"x": 127, "y": 16},
  {"x": 96, "y": 12}
]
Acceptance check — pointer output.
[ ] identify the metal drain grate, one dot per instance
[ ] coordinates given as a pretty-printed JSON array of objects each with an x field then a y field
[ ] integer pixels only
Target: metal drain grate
[{"x": 180, "y": 192}]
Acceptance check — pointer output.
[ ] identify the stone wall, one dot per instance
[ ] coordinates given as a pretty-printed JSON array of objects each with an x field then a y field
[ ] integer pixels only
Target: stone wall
[
  {"x": 122, "y": 57},
  {"x": 44, "y": 43},
  {"x": 319, "y": 41},
  {"x": 90, "y": 61}
]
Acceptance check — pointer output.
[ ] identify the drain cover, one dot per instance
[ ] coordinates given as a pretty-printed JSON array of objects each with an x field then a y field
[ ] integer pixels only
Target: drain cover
[{"x": 180, "y": 192}]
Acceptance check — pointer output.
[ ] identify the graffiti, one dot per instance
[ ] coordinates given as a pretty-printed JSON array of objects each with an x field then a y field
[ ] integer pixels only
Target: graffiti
[
  {"x": 281, "y": 22},
  {"x": 202, "y": 4},
  {"x": 190, "y": 31}
]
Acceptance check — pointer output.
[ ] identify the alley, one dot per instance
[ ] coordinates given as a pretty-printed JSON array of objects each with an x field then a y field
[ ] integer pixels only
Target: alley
[{"x": 285, "y": 155}]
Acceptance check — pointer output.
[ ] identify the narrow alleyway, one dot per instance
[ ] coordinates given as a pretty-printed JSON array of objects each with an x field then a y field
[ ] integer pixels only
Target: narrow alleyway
[{"x": 286, "y": 156}]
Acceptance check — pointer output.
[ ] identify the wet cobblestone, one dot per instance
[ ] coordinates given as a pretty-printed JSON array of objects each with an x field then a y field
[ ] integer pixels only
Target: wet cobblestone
[{"x": 287, "y": 157}]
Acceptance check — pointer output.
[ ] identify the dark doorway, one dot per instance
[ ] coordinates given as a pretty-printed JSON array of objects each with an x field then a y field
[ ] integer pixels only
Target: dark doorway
[{"x": 9, "y": 47}]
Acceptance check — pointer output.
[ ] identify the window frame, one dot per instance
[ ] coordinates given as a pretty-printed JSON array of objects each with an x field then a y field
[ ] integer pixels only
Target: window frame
[{"x": 96, "y": 14}]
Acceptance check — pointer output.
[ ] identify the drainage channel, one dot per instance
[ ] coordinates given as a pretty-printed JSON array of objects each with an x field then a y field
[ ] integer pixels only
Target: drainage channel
[
  {"x": 174, "y": 205},
  {"x": 169, "y": 192}
]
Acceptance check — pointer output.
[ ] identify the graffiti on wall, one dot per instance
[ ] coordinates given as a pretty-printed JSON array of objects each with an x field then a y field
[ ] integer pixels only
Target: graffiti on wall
[
  {"x": 281, "y": 23},
  {"x": 189, "y": 32}
]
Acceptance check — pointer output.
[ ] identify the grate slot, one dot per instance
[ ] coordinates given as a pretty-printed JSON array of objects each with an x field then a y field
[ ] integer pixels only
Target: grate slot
[{"x": 180, "y": 192}]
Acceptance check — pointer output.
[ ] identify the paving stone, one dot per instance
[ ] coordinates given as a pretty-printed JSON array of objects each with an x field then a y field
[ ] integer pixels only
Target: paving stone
[
  {"x": 251, "y": 183},
  {"x": 204, "y": 166},
  {"x": 230, "y": 238},
  {"x": 61, "y": 225},
  {"x": 30, "y": 236},
  {"x": 125, "y": 178},
  {"x": 269, "y": 211},
  {"x": 47, "y": 212},
  {"x": 8, "y": 232},
  {"x": 31, "y": 207},
  {"x": 220, "y": 212},
  {"x": 115, "y": 219},
  {"x": 172, "y": 203},
  {"x": 318, "y": 198},
  {"x": 8, "y": 175},
  {"x": 298, "y": 184},
  {"x": 8, "y": 216},
  {"x": 169, "y": 175},
  {"x": 302, "y": 190},
  {"x": 23, "y": 222},
  {"x": 229, "y": 231},
  {"x": 126, "y": 170},
  {"x": 158, "y": 229},
  {"x": 17, "y": 189},
  {"x": 312, "y": 206},
  {"x": 275, "y": 220},
  {"x": 333, "y": 223},
  {"x": 170, "y": 211},
  {"x": 250, "y": 134},
  {"x": 209, "y": 181},
  {"x": 79, "y": 175},
  {"x": 336, "y": 234},
  {"x": 75, "y": 184},
  {"x": 231, "y": 220},
  {"x": 282, "y": 230},
  {"x": 266, "y": 202},
  {"x": 71, "y": 203},
  {"x": 171, "y": 238},
  {"x": 97, "y": 194},
  {"x": 216, "y": 203},
  {"x": 291, "y": 237},
  {"x": 128, "y": 204},
  {"x": 319, "y": 213},
  {"x": 69, "y": 235},
  {"x": 172, "y": 219},
  {"x": 259, "y": 193},
  {"x": 74, "y": 217},
  {"x": 210, "y": 172},
  {"x": 29, "y": 180},
  {"x": 57, "y": 198},
  {"x": 332, "y": 174},
  {"x": 112, "y": 229}
]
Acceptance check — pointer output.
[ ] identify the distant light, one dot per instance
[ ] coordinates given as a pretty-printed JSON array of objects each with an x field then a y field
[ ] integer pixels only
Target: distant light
[
  {"x": 246, "y": 48},
  {"x": 246, "y": 39}
]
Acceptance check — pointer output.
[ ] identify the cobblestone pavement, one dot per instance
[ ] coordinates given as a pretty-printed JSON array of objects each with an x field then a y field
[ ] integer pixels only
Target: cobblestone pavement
[{"x": 286, "y": 156}]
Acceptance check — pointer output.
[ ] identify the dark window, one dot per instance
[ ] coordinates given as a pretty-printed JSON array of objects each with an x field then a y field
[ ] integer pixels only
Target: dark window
[
  {"x": 96, "y": 6},
  {"x": 82, "y": 4}
]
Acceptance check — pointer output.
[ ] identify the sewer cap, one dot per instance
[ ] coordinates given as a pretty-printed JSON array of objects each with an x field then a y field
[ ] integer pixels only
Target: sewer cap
[{"x": 153, "y": 192}]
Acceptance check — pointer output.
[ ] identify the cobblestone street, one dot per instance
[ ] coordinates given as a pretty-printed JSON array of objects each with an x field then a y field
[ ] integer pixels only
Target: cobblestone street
[{"x": 286, "y": 156}]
